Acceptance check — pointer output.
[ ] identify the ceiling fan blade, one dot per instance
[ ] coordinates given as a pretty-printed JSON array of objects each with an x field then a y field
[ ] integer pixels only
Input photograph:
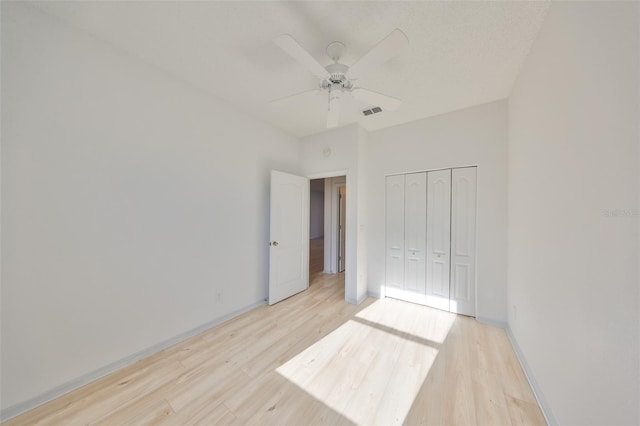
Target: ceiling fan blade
[
  {"x": 381, "y": 53},
  {"x": 335, "y": 105},
  {"x": 297, "y": 52},
  {"x": 387, "y": 103},
  {"x": 285, "y": 99}
]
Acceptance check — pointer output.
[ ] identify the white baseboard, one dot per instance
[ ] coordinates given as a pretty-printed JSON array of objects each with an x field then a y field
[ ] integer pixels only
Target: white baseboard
[
  {"x": 495, "y": 323},
  {"x": 535, "y": 387},
  {"x": 357, "y": 301},
  {"x": 22, "y": 407},
  {"x": 374, "y": 294}
]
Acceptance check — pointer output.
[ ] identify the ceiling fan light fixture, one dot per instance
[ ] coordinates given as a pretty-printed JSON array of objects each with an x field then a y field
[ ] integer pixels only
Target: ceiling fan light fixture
[{"x": 337, "y": 72}]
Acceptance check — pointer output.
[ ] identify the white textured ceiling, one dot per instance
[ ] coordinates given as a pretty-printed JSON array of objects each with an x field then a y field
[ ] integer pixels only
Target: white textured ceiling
[{"x": 461, "y": 53}]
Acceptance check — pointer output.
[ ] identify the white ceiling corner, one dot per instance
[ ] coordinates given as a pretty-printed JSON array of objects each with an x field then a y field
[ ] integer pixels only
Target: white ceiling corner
[{"x": 461, "y": 53}]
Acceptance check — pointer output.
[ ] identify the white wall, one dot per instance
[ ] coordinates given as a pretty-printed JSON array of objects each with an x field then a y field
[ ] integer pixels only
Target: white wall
[
  {"x": 473, "y": 136},
  {"x": 340, "y": 159},
  {"x": 573, "y": 160},
  {"x": 129, "y": 201},
  {"x": 362, "y": 214}
]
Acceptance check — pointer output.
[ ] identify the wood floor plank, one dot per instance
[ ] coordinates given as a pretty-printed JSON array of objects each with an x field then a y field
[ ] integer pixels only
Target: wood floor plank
[
  {"x": 524, "y": 412},
  {"x": 489, "y": 401},
  {"x": 146, "y": 411}
]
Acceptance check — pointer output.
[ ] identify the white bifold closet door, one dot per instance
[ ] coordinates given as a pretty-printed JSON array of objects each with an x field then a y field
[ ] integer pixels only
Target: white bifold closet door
[
  {"x": 463, "y": 241},
  {"x": 415, "y": 236},
  {"x": 438, "y": 238},
  {"x": 395, "y": 236},
  {"x": 431, "y": 244}
]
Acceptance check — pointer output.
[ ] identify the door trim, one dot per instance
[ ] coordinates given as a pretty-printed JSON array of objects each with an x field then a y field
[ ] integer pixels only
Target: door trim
[{"x": 337, "y": 188}]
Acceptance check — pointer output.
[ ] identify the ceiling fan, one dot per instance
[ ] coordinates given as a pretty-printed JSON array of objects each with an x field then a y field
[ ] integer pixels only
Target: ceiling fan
[{"x": 338, "y": 80}]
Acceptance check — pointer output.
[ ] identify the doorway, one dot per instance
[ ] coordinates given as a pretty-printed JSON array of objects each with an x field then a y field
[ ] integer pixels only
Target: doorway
[
  {"x": 327, "y": 227},
  {"x": 316, "y": 228}
]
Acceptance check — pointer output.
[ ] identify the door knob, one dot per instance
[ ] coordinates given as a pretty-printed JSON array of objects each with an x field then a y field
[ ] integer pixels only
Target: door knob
[{"x": 275, "y": 243}]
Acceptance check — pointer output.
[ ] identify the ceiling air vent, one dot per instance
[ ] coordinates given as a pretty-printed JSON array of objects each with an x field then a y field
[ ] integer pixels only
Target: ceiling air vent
[{"x": 373, "y": 110}]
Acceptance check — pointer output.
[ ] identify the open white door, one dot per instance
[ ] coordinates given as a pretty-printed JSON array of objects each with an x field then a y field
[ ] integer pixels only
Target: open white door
[{"x": 289, "y": 245}]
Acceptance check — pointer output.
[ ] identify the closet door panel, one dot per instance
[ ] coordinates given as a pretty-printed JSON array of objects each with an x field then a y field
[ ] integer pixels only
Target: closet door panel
[
  {"x": 395, "y": 235},
  {"x": 438, "y": 238},
  {"x": 463, "y": 240},
  {"x": 415, "y": 238}
]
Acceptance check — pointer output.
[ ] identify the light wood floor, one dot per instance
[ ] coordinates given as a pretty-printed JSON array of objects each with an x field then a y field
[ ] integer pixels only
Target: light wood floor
[{"x": 314, "y": 359}]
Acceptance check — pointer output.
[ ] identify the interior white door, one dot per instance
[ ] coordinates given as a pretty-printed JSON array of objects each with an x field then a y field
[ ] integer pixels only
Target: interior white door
[
  {"x": 463, "y": 241},
  {"x": 415, "y": 236},
  {"x": 289, "y": 233},
  {"x": 394, "y": 218},
  {"x": 438, "y": 238}
]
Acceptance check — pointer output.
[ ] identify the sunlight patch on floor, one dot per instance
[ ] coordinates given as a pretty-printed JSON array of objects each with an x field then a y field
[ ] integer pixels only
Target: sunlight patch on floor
[
  {"x": 372, "y": 367},
  {"x": 420, "y": 321}
]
